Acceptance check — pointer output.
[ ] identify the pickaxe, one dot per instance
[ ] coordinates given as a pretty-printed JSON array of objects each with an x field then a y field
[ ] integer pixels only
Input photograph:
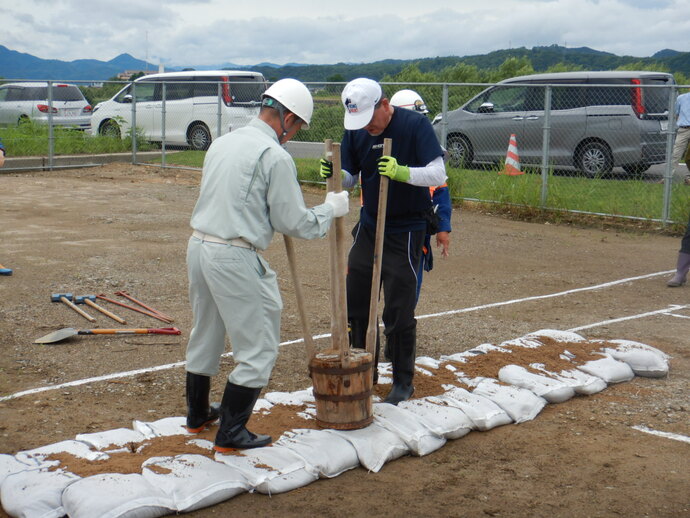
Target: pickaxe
[
  {"x": 133, "y": 308},
  {"x": 139, "y": 303}
]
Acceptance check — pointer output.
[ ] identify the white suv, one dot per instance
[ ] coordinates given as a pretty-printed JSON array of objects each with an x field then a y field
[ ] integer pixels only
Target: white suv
[
  {"x": 31, "y": 101},
  {"x": 199, "y": 106}
]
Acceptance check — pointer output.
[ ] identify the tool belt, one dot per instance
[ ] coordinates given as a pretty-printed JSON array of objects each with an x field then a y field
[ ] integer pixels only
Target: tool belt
[{"x": 232, "y": 242}]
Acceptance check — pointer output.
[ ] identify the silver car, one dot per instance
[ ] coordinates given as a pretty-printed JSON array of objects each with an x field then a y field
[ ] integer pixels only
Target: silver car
[
  {"x": 31, "y": 101},
  {"x": 598, "y": 120}
]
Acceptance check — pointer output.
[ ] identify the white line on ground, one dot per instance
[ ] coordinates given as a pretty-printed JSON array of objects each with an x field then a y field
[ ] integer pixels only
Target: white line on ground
[
  {"x": 127, "y": 374},
  {"x": 666, "y": 435},
  {"x": 667, "y": 311}
]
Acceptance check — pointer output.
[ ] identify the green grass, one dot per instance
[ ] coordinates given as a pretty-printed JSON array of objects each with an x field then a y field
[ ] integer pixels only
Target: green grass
[
  {"x": 620, "y": 197},
  {"x": 623, "y": 197},
  {"x": 31, "y": 139}
]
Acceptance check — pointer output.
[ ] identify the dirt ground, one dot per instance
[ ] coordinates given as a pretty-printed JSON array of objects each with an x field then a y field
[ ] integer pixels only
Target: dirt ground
[{"x": 123, "y": 227}]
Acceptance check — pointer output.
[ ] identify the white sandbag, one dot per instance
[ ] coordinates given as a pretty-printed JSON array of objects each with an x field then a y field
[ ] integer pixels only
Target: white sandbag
[
  {"x": 644, "y": 360},
  {"x": 375, "y": 445},
  {"x": 271, "y": 469},
  {"x": 608, "y": 369},
  {"x": 581, "y": 382},
  {"x": 519, "y": 403},
  {"x": 484, "y": 413},
  {"x": 419, "y": 438},
  {"x": 9, "y": 465},
  {"x": 441, "y": 418},
  {"x": 76, "y": 448},
  {"x": 299, "y": 397},
  {"x": 117, "y": 437},
  {"x": 557, "y": 334},
  {"x": 35, "y": 493},
  {"x": 330, "y": 455},
  {"x": 552, "y": 390},
  {"x": 115, "y": 495},
  {"x": 162, "y": 428},
  {"x": 194, "y": 481}
]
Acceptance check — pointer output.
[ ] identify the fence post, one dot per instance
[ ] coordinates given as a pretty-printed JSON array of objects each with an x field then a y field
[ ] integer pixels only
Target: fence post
[
  {"x": 51, "y": 133},
  {"x": 668, "y": 174},
  {"x": 220, "y": 109},
  {"x": 546, "y": 144},
  {"x": 163, "y": 97},
  {"x": 133, "y": 127},
  {"x": 444, "y": 115}
]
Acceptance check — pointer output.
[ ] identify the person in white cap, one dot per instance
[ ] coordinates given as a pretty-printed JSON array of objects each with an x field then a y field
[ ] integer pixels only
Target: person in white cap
[
  {"x": 248, "y": 191},
  {"x": 440, "y": 196},
  {"x": 415, "y": 164}
]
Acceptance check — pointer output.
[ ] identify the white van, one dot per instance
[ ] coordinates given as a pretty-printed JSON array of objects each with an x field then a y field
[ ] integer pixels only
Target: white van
[{"x": 197, "y": 106}]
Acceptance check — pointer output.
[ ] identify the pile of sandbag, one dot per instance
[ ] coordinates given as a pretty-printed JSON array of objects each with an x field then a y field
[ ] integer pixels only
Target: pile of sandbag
[{"x": 33, "y": 483}]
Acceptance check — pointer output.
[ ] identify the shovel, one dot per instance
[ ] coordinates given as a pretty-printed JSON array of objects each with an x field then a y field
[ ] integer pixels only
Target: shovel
[{"x": 63, "y": 334}]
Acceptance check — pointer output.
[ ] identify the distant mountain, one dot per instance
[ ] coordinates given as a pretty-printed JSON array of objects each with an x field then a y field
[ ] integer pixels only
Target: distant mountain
[
  {"x": 666, "y": 53},
  {"x": 17, "y": 65}
]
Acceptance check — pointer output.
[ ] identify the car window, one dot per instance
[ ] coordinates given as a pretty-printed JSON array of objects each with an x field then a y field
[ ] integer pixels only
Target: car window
[
  {"x": 14, "y": 94},
  {"x": 146, "y": 91},
  {"x": 503, "y": 98},
  {"x": 3, "y": 93},
  {"x": 567, "y": 97},
  {"x": 656, "y": 98},
  {"x": 179, "y": 89},
  {"x": 246, "y": 89},
  {"x": 67, "y": 93}
]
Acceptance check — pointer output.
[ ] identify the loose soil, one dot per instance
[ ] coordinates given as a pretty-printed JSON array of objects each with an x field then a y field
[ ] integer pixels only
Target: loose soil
[{"x": 124, "y": 227}]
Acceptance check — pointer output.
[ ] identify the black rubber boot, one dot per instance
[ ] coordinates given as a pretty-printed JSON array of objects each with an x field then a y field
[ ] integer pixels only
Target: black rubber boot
[
  {"x": 403, "y": 348},
  {"x": 235, "y": 410},
  {"x": 200, "y": 413},
  {"x": 358, "y": 340},
  {"x": 682, "y": 267}
]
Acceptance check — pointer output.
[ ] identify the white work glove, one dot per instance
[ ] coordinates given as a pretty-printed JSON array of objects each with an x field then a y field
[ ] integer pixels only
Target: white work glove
[{"x": 339, "y": 202}]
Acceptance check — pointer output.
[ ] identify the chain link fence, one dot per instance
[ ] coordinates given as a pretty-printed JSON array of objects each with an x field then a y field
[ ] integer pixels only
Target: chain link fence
[{"x": 590, "y": 148}]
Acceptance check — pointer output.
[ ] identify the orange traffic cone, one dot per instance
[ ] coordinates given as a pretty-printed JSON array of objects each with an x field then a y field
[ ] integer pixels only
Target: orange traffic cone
[{"x": 512, "y": 166}]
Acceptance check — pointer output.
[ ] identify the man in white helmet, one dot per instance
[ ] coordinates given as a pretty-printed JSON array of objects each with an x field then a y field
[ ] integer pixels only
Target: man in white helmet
[
  {"x": 440, "y": 198},
  {"x": 248, "y": 191}
]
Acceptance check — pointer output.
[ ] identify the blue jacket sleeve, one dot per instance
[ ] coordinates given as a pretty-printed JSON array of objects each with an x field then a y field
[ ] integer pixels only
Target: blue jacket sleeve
[{"x": 441, "y": 199}]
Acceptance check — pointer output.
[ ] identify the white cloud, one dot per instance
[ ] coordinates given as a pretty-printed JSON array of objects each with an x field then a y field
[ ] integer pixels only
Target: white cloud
[{"x": 206, "y": 32}]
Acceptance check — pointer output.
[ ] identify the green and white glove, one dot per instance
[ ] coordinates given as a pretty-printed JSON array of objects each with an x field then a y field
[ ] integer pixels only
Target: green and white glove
[
  {"x": 388, "y": 166},
  {"x": 326, "y": 168}
]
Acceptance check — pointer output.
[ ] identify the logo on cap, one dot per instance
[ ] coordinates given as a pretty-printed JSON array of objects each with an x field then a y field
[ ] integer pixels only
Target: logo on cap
[{"x": 351, "y": 107}]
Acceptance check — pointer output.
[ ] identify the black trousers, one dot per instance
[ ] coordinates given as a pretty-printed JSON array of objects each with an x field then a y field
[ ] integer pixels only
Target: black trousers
[
  {"x": 685, "y": 242},
  {"x": 400, "y": 260}
]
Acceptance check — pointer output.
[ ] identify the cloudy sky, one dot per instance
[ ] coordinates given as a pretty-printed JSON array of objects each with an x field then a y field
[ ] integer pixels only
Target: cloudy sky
[{"x": 209, "y": 32}]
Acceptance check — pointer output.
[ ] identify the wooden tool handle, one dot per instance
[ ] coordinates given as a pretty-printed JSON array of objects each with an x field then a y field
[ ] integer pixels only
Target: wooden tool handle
[
  {"x": 338, "y": 329},
  {"x": 105, "y": 311},
  {"x": 78, "y": 310},
  {"x": 308, "y": 340},
  {"x": 378, "y": 255},
  {"x": 340, "y": 295}
]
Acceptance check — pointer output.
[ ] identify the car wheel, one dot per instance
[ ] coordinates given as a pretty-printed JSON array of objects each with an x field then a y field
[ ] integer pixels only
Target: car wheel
[
  {"x": 109, "y": 128},
  {"x": 636, "y": 169},
  {"x": 198, "y": 137},
  {"x": 594, "y": 159},
  {"x": 459, "y": 151}
]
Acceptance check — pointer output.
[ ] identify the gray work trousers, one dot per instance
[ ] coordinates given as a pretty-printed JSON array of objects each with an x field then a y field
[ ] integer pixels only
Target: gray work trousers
[{"x": 232, "y": 291}]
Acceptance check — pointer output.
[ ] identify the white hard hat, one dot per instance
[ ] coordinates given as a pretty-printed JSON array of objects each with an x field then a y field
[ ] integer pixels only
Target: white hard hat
[
  {"x": 410, "y": 100},
  {"x": 295, "y": 96}
]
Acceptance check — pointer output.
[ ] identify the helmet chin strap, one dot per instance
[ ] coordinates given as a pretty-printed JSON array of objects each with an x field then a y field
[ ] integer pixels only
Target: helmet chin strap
[{"x": 268, "y": 101}]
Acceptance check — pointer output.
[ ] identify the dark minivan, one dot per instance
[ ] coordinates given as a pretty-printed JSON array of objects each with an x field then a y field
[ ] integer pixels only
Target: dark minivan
[{"x": 598, "y": 120}]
